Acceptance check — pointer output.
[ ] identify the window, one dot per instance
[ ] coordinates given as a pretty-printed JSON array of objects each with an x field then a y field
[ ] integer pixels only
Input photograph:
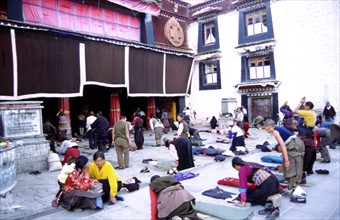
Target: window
[
  {"x": 209, "y": 33},
  {"x": 256, "y": 22},
  {"x": 208, "y": 36},
  {"x": 259, "y": 67},
  {"x": 210, "y": 75},
  {"x": 81, "y": 18}
]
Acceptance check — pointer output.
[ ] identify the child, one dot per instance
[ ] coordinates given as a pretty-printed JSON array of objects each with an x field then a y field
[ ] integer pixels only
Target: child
[
  {"x": 67, "y": 169},
  {"x": 238, "y": 137}
]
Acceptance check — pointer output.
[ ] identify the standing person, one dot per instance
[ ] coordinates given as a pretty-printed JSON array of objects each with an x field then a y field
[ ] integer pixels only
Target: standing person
[
  {"x": 76, "y": 189},
  {"x": 266, "y": 186},
  {"x": 308, "y": 115},
  {"x": 62, "y": 125},
  {"x": 329, "y": 112},
  {"x": 239, "y": 116},
  {"x": 288, "y": 119},
  {"x": 101, "y": 124},
  {"x": 183, "y": 128},
  {"x": 89, "y": 131},
  {"x": 82, "y": 124},
  {"x": 292, "y": 149},
  {"x": 181, "y": 150},
  {"x": 121, "y": 140},
  {"x": 103, "y": 171},
  {"x": 238, "y": 137},
  {"x": 245, "y": 114},
  {"x": 50, "y": 131},
  {"x": 157, "y": 128},
  {"x": 187, "y": 114},
  {"x": 213, "y": 125},
  {"x": 137, "y": 123},
  {"x": 165, "y": 120}
]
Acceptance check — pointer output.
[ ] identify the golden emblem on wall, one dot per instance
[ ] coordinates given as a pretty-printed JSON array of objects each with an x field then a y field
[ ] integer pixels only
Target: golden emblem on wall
[{"x": 174, "y": 32}]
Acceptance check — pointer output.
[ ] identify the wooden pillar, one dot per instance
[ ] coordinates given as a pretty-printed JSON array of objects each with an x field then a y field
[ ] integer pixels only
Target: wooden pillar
[
  {"x": 174, "y": 111},
  {"x": 150, "y": 109},
  {"x": 64, "y": 104},
  {"x": 114, "y": 108}
]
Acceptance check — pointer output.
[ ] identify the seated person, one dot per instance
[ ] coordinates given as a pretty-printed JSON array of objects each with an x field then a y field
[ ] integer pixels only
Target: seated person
[
  {"x": 72, "y": 151},
  {"x": 76, "y": 193},
  {"x": 169, "y": 199},
  {"x": 104, "y": 172}
]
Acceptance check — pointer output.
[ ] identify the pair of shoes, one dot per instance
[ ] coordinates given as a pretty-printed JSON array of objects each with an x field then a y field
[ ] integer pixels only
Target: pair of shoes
[
  {"x": 325, "y": 161},
  {"x": 158, "y": 145},
  {"x": 268, "y": 208},
  {"x": 119, "y": 198},
  {"x": 35, "y": 172},
  {"x": 145, "y": 170},
  {"x": 298, "y": 199},
  {"x": 325, "y": 172},
  {"x": 55, "y": 203},
  {"x": 273, "y": 214},
  {"x": 119, "y": 168}
]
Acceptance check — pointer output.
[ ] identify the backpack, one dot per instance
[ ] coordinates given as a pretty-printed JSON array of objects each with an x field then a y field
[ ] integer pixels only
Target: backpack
[{"x": 132, "y": 184}]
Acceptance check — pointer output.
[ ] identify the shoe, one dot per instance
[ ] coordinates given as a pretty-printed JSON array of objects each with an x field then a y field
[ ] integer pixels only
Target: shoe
[
  {"x": 298, "y": 199},
  {"x": 119, "y": 198},
  {"x": 274, "y": 214},
  {"x": 286, "y": 193},
  {"x": 332, "y": 146},
  {"x": 310, "y": 172},
  {"x": 119, "y": 168},
  {"x": 268, "y": 208},
  {"x": 325, "y": 161},
  {"x": 145, "y": 170},
  {"x": 54, "y": 203},
  {"x": 146, "y": 160},
  {"x": 303, "y": 181},
  {"x": 324, "y": 172}
]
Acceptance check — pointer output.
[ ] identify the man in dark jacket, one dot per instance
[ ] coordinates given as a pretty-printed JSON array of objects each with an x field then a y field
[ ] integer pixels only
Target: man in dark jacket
[{"x": 101, "y": 126}]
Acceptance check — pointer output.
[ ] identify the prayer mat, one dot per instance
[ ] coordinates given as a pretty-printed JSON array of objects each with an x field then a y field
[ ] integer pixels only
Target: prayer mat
[
  {"x": 164, "y": 166},
  {"x": 272, "y": 159},
  {"x": 223, "y": 211},
  {"x": 217, "y": 193},
  {"x": 234, "y": 182}
]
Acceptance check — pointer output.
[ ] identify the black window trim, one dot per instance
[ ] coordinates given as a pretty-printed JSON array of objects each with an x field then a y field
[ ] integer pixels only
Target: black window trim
[
  {"x": 201, "y": 46},
  {"x": 243, "y": 38},
  {"x": 201, "y": 77}
]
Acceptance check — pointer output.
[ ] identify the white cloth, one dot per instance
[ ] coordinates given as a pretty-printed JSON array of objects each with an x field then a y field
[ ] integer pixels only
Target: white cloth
[
  {"x": 141, "y": 113},
  {"x": 180, "y": 129},
  {"x": 65, "y": 145},
  {"x": 237, "y": 130},
  {"x": 173, "y": 151},
  {"x": 65, "y": 170},
  {"x": 89, "y": 120}
]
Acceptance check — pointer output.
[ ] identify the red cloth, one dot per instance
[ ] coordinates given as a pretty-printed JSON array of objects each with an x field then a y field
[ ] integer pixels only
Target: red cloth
[
  {"x": 234, "y": 182},
  {"x": 70, "y": 152},
  {"x": 153, "y": 200},
  {"x": 76, "y": 181}
]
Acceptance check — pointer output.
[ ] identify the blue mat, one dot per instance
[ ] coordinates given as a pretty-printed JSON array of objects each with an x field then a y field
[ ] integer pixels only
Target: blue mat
[
  {"x": 272, "y": 159},
  {"x": 223, "y": 211}
]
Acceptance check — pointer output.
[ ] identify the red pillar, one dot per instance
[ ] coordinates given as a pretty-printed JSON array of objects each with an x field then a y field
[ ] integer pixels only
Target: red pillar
[
  {"x": 114, "y": 108},
  {"x": 150, "y": 109},
  {"x": 64, "y": 104}
]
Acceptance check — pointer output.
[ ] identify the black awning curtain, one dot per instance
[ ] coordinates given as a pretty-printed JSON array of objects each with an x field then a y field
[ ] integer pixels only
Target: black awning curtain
[
  {"x": 145, "y": 71},
  {"x": 177, "y": 73},
  {"x": 104, "y": 62},
  {"x": 6, "y": 63},
  {"x": 47, "y": 63}
]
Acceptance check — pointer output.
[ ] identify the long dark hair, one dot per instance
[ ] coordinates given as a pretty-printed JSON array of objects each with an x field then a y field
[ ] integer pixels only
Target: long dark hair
[{"x": 81, "y": 161}]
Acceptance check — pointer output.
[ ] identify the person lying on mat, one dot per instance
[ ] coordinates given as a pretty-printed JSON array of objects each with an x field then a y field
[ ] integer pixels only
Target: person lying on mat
[{"x": 266, "y": 183}]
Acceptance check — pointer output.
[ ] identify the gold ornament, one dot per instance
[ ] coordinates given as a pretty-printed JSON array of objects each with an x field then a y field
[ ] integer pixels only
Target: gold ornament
[{"x": 174, "y": 32}]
